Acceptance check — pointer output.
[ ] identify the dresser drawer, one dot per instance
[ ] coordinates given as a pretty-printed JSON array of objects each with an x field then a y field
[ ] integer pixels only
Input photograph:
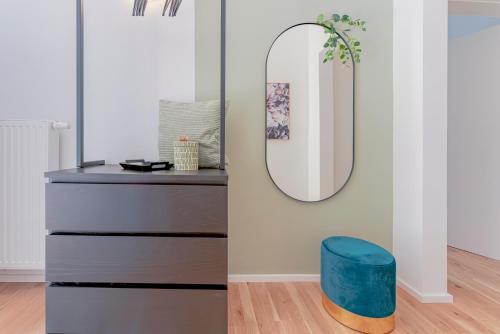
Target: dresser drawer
[
  {"x": 122, "y": 311},
  {"x": 118, "y": 259},
  {"x": 130, "y": 208}
]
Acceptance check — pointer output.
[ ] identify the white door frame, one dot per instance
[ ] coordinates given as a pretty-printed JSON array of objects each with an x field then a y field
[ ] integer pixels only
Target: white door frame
[
  {"x": 420, "y": 141},
  {"x": 420, "y": 147}
]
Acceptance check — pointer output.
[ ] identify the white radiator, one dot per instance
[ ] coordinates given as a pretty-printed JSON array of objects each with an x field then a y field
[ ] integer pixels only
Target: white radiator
[{"x": 27, "y": 150}]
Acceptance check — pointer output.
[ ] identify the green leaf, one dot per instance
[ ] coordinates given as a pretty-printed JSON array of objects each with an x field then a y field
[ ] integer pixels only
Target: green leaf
[{"x": 339, "y": 41}]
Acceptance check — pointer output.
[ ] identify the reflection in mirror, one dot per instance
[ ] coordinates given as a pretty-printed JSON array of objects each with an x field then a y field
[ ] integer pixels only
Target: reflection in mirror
[{"x": 309, "y": 116}]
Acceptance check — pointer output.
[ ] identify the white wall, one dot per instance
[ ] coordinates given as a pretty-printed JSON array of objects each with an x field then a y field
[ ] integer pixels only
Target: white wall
[
  {"x": 327, "y": 127},
  {"x": 473, "y": 138},
  {"x": 314, "y": 46},
  {"x": 420, "y": 90},
  {"x": 37, "y": 64},
  {"x": 131, "y": 62},
  {"x": 343, "y": 137}
]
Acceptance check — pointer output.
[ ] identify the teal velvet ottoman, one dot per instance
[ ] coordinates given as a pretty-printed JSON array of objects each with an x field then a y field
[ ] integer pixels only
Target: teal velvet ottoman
[{"x": 358, "y": 279}]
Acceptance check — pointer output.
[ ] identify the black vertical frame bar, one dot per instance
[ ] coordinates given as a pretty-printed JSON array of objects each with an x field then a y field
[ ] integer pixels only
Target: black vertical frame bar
[
  {"x": 223, "y": 85},
  {"x": 79, "y": 84},
  {"x": 80, "y": 89}
]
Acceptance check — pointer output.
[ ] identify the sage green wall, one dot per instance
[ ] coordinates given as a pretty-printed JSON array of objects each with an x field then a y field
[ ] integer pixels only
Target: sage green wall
[{"x": 270, "y": 233}]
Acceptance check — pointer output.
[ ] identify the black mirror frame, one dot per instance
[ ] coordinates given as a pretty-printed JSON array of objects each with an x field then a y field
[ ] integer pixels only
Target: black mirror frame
[{"x": 353, "y": 113}]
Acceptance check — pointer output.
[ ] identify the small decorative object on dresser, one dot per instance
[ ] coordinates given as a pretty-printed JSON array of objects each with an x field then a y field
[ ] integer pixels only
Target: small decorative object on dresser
[
  {"x": 185, "y": 154},
  {"x": 142, "y": 165}
]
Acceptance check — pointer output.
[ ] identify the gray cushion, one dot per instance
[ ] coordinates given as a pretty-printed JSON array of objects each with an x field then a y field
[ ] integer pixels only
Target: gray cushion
[{"x": 199, "y": 121}]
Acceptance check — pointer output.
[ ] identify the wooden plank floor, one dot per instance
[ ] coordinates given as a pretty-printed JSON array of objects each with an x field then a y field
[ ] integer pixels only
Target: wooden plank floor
[{"x": 274, "y": 308}]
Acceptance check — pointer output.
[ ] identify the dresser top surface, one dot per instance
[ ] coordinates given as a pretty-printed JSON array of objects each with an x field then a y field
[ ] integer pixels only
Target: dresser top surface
[{"x": 115, "y": 174}]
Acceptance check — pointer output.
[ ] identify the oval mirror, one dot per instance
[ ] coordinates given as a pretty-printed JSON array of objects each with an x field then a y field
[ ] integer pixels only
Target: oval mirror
[{"x": 309, "y": 115}]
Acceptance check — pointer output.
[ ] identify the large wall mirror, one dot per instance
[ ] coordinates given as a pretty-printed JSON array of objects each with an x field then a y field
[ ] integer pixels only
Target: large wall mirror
[{"x": 309, "y": 115}]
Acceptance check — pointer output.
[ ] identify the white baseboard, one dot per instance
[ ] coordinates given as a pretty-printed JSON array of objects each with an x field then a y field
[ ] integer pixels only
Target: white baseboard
[
  {"x": 17, "y": 275},
  {"x": 274, "y": 278},
  {"x": 257, "y": 278},
  {"x": 444, "y": 298}
]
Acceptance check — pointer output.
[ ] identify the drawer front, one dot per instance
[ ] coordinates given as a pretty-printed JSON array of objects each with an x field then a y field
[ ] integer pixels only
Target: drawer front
[
  {"x": 117, "y": 259},
  {"x": 123, "y": 311},
  {"x": 130, "y": 208}
]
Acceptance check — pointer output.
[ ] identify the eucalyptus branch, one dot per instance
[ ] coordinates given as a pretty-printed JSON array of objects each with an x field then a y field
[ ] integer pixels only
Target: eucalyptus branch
[{"x": 336, "y": 25}]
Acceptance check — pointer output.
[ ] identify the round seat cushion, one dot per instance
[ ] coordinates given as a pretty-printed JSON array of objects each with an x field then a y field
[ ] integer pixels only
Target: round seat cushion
[{"x": 358, "y": 276}]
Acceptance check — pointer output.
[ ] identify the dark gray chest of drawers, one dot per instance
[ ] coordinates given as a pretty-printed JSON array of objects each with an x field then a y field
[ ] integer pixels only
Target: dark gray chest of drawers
[{"x": 136, "y": 252}]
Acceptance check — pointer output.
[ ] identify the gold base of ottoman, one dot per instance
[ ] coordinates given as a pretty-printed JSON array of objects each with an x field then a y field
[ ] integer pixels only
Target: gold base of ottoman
[{"x": 358, "y": 322}]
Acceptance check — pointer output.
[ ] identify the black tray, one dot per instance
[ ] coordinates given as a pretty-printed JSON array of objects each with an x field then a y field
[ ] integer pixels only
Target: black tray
[{"x": 145, "y": 166}]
